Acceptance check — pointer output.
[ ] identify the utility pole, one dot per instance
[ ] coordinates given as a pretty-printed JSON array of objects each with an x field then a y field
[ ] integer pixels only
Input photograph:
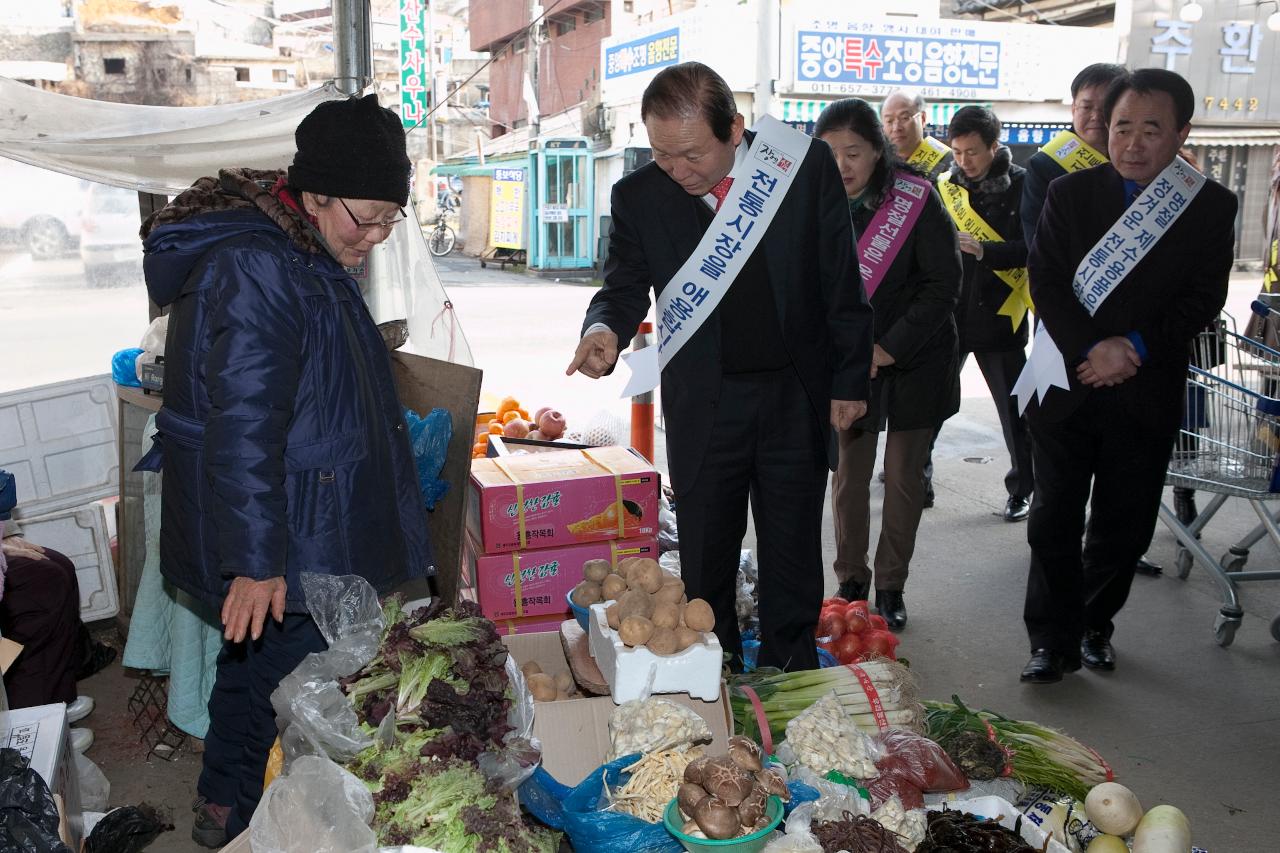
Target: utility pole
[
  {"x": 352, "y": 45},
  {"x": 768, "y": 26},
  {"x": 535, "y": 49}
]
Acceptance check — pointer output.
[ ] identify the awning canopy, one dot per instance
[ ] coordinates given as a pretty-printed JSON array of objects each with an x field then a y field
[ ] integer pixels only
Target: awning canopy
[
  {"x": 1233, "y": 136},
  {"x": 152, "y": 149},
  {"x": 471, "y": 167},
  {"x": 808, "y": 109}
]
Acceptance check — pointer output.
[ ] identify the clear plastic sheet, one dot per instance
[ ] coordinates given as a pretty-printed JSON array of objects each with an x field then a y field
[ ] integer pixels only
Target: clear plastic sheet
[{"x": 317, "y": 807}]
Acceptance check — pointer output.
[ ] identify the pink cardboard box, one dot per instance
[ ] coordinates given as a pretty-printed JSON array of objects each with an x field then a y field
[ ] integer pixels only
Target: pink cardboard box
[
  {"x": 546, "y": 576},
  {"x": 562, "y": 497}
]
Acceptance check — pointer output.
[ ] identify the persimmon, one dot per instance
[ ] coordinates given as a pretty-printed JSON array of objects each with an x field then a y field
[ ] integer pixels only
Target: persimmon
[
  {"x": 495, "y": 428},
  {"x": 508, "y": 417},
  {"x": 508, "y": 404}
]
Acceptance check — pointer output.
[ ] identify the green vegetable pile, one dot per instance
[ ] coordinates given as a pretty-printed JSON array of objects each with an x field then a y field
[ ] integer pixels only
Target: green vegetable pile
[{"x": 435, "y": 699}]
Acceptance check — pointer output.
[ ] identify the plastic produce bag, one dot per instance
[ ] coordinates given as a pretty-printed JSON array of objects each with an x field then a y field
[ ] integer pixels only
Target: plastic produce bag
[
  {"x": 577, "y": 812},
  {"x": 153, "y": 338},
  {"x": 95, "y": 789},
  {"x": 28, "y": 814},
  {"x": 319, "y": 717},
  {"x": 124, "y": 367},
  {"x": 127, "y": 830},
  {"x": 316, "y": 807},
  {"x": 919, "y": 760},
  {"x": 799, "y": 838},
  {"x": 429, "y": 437},
  {"x": 650, "y": 725}
]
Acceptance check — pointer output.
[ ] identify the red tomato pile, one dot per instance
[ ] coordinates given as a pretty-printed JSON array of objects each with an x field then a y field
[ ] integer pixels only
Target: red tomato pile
[{"x": 851, "y": 632}]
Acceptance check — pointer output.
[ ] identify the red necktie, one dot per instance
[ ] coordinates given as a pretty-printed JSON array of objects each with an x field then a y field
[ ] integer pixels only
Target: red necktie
[{"x": 721, "y": 190}]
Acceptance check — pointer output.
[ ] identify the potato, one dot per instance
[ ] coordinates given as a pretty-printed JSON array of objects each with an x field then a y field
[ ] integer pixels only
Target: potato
[
  {"x": 595, "y": 570},
  {"x": 662, "y": 641},
  {"x": 698, "y": 615},
  {"x": 613, "y": 587},
  {"x": 624, "y": 566},
  {"x": 646, "y": 574},
  {"x": 635, "y": 630},
  {"x": 686, "y": 637},
  {"x": 611, "y": 616},
  {"x": 564, "y": 681},
  {"x": 530, "y": 668},
  {"x": 635, "y": 602},
  {"x": 543, "y": 687},
  {"x": 665, "y": 616},
  {"x": 670, "y": 593},
  {"x": 586, "y": 594},
  {"x": 561, "y": 696}
]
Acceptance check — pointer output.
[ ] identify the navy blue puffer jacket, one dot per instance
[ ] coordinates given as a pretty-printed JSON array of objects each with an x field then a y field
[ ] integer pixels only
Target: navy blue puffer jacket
[{"x": 284, "y": 447}]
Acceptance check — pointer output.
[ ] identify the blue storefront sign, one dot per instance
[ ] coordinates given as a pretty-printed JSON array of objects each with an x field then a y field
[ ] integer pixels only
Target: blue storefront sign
[
  {"x": 643, "y": 54},
  {"x": 870, "y": 58}
]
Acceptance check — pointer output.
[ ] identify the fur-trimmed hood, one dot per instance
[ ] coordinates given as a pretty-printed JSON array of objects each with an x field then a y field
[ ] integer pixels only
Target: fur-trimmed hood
[{"x": 997, "y": 179}]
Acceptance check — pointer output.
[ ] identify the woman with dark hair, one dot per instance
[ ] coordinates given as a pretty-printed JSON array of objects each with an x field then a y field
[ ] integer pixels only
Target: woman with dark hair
[{"x": 911, "y": 270}]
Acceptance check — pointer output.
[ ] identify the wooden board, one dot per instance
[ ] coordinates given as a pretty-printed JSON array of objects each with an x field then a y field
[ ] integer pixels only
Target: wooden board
[
  {"x": 424, "y": 384},
  {"x": 577, "y": 651}
]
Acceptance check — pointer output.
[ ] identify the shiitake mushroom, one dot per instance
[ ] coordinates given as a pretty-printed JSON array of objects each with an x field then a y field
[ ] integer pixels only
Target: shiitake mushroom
[
  {"x": 691, "y": 829},
  {"x": 751, "y": 809},
  {"x": 716, "y": 818},
  {"x": 773, "y": 784},
  {"x": 688, "y": 796},
  {"x": 745, "y": 753},
  {"x": 694, "y": 769},
  {"x": 727, "y": 781}
]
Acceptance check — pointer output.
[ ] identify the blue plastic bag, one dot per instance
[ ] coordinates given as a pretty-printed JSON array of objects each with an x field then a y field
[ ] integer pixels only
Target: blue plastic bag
[
  {"x": 124, "y": 367},
  {"x": 429, "y": 438},
  {"x": 576, "y": 812}
]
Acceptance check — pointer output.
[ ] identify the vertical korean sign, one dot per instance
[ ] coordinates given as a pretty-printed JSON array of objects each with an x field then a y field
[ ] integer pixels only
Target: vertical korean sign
[
  {"x": 413, "y": 61},
  {"x": 506, "y": 209}
]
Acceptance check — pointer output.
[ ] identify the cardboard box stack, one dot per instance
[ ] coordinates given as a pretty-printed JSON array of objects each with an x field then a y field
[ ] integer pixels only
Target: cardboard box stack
[{"x": 533, "y": 521}]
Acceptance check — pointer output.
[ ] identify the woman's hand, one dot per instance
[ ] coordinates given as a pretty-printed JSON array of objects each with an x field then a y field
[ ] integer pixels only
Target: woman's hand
[
  {"x": 970, "y": 245},
  {"x": 16, "y": 546},
  {"x": 246, "y": 606},
  {"x": 879, "y": 358}
]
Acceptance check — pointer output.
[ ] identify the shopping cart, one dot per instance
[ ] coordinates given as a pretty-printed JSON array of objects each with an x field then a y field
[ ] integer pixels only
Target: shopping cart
[{"x": 1229, "y": 446}]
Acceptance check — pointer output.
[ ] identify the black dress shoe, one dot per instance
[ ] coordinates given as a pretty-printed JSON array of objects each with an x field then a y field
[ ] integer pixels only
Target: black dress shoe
[
  {"x": 928, "y": 494},
  {"x": 854, "y": 591},
  {"x": 1096, "y": 651},
  {"x": 1047, "y": 666},
  {"x": 1016, "y": 508},
  {"x": 1148, "y": 568},
  {"x": 891, "y": 607}
]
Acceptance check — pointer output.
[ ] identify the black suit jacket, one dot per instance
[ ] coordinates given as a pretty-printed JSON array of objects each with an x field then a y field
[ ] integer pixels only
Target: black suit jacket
[
  {"x": 822, "y": 308},
  {"x": 1172, "y": 294}
]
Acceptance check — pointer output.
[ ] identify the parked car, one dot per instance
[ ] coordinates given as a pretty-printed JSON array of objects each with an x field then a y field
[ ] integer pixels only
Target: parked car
[
  {"x": 109, "y": 243},
  {"x": 40, "y": 210}
]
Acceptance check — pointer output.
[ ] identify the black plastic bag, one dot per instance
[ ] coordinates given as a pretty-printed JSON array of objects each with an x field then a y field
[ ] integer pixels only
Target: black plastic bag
[
  {"x": 28, "y": 814},
  {"x": 127, "y": 830}
]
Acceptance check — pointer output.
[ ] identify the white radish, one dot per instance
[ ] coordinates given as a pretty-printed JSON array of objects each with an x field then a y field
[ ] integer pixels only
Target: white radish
[
  {"x": 1113, "y": 808},
  {"x": 1164, "y": 829}
]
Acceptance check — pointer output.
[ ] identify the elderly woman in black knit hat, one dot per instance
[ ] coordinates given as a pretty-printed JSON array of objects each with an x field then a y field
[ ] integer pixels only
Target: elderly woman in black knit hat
[{"x": 283, "y": 443}]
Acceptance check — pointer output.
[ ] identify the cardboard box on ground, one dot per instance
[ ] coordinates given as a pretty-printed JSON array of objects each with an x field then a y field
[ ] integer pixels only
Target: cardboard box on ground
[{"x": 43, "y": 736}]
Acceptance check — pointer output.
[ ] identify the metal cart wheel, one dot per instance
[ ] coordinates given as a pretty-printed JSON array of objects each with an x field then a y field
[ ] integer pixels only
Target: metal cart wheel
[
  {"x": 1183, "y": 560},
  {"x": 1224, "y": 629},
  {"x": 1233, "y": 561},
  {"x": 1275, "y": 629}
]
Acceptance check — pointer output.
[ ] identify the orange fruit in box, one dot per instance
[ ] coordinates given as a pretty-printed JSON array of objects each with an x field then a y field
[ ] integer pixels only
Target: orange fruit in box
[
  {"x": 508, "y": 404},
  {"x": 495, "y": 428},
  {"x": 508, "y": 417}
]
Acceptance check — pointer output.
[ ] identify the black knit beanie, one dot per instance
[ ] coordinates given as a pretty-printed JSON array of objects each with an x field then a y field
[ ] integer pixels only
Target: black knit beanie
[{"x": 352, "y": 148}]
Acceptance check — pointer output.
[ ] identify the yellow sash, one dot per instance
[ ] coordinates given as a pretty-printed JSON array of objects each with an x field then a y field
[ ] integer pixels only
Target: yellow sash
[
  {"x": 1072, "y": 153},
  {"x": 1269, "y": 276},
  {"x": 928, "y": 154},
  {"x": 956, "y": 199}
]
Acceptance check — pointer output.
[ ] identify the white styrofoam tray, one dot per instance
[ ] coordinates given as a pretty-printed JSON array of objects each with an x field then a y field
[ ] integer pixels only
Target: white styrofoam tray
[
  {"x": 695, "y": 671},
  {"x": 81, "y": 534}
]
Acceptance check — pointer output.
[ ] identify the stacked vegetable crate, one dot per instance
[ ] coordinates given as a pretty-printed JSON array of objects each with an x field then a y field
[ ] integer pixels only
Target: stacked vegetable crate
[{"x": 535, "y": 519}]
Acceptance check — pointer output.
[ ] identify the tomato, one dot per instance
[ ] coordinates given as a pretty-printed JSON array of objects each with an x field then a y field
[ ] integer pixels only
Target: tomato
[
  {"x": 847, "y": 648},
  {"x": 880, "y": 643},
  {"x": 830, "y": 624},
  {"x": 877, "y": 622}
]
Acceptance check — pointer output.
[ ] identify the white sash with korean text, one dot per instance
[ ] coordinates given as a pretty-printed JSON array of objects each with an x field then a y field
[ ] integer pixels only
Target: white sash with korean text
[
  {"x": 760, "y": 182},
  {"x": 1105, "y": 266}
]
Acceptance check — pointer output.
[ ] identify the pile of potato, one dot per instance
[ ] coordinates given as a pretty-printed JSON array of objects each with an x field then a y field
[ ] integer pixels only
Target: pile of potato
[
  {"x": 726, "y": 796},
  {"x": 548, "y": 688},
  {"x": 649, "y": 607}
]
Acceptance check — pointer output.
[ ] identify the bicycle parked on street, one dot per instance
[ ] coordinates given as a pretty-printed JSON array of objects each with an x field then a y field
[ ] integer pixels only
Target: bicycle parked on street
[{"x": 440, "y": 239}]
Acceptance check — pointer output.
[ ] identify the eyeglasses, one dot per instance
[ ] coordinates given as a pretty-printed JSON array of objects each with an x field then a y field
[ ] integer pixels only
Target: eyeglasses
[{"x": 366, "y": 227}]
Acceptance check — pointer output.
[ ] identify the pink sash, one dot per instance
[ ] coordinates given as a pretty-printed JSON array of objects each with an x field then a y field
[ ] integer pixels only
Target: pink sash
[{"x": 888, "y": 229}]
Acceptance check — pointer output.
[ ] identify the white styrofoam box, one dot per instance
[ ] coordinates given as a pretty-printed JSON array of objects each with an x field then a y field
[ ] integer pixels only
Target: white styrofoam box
[
  {"x": 43, "y": 737},
  {"x": 1007, "y": 814},
  {"x": 695, "y": 671},
  {"x": 59, "y": 442},
  {"x": 80, "y": 533}
]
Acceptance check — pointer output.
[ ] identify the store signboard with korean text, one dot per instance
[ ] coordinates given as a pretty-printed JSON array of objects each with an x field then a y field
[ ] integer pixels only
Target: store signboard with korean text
[
  {"x": 1229, "y": 56},
  {"x": 650, "y": 52},
  {"x": 841, "y": 54},
  {"x": 414, "y": 67},
  {"x": 506, "y": 209}
]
